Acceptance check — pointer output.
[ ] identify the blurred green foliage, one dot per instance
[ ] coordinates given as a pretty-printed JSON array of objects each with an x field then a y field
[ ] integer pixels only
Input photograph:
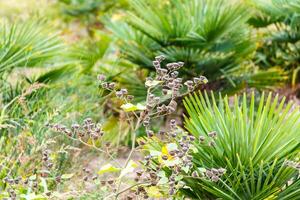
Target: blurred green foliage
[
  {"x": 278, "y": 24},
  {"x": 203, "y": 34},
  {"x": 253, "y": 143}
]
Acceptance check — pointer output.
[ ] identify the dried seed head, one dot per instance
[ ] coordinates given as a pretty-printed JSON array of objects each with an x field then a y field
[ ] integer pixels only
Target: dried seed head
[
  {"x": 180, "y": 155},
  {"x": 212, "y": 134},
  {"x": 208, "y": 173},
  {"x": 172, "y": 191},
  {"x": 142, "y": 142},
  {"x": 156, "y": 63},
  {"x": 146, "y": 122},
  {"x": 201, "y": 138},
  {"x": 139, "y": 173},
  {"x": 196, "y": 80},
  {"x": 215, "y": 178},
  {"x": 170, "y": 66},
  {"x": 103, "y": 183},
  {"x": 130, "y": 97},
  {"x": 124, "y": 91},
  {"x": 156, "y": 100},
  {"x": 211, "y": 144},
  {"x": 174, "y": 134},
  {"x": 195, "y": 174},
  {"x": 173, "y": 104},
  {"x": 172, "y": 153},
  {"x": 160, "y": 58},
  {"x": 222, "y": 171},
  {"x": 148, "y": 157},
  {"x": 101, "y": 77},
  {"x": 172, "y": 122},
  {"x": 104, "y": 85},
  {"x": 164, "y": 157},
  {"x": 119, "y": 94},
  {"x": 58, "y": 179},
  {"x": 192, "y": 138},
  {"x": 75, "y": 126},
  {"x": 189, "y": 83},
  {"x": 180, "y": 64},
  {"x": 150, "y": 133},
  {"x": 174, "y": 74},
  {"x": 215, "y": 171},
  {"x": 191, "y": 88},
  {"x": 86, "y": 178},
  {"x": 153, "y": 175},
  {"x": 164, "y": 91},
  {"x": 48, "y": 193},
  {"x": 112, "y": 85},
  {"x": 203, "y": 80}
]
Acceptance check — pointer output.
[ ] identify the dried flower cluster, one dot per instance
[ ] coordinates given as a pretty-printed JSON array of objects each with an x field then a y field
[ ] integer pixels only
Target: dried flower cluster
[
  {"x": 293, "y": 164},
  {"x": 177, "y": 160},
  {"x": 87, "y": 130},
  {"x": 171, "y": 87}
]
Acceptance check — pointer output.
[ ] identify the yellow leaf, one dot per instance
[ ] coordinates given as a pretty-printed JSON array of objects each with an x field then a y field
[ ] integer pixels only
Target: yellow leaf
[
  {"x": 108, "y": 168},
  {"x": 151, "y": 83},
  {"x": 154, "y": 192},
  {"x": 129, "y": 168},
  {"x": 129, "y": 107}
]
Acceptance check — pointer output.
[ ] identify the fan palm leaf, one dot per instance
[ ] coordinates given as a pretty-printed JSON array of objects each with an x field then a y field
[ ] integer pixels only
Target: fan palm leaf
[
  {"x": 254, "y": 140},
  {"x": 203, "y": 34},
  {"x": 27, "y": 44}
]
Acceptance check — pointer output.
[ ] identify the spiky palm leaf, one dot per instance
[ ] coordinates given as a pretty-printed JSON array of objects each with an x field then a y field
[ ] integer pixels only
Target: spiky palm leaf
[
  {"x": 279, "y": 23},
  {"x": 203, "y": 34},
  {"x": 27, "y": 44},
  {"x": 253, "y": 142}
]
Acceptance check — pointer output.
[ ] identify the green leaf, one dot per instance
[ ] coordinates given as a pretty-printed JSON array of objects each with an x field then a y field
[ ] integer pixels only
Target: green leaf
[
  {"x": 152, "y": 83},
  {"x": 108, "y": 168},
  {"x": 129, "y": 168},
  {"x": 67, "y": 176},
  {"x": 129, "y": 107}
]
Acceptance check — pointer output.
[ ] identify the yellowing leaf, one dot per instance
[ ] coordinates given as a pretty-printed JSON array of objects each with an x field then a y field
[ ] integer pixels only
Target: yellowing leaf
[
  {"x": 129, "y": 107},
  {"x": 154, "y": 192},
  {"x": 151, "y": 83},
  {"x": 129, "y": 168},
  {"x": 171, "y": 161},
  {"x": 67, "y": 176},
  {"x": 108, "y": 168}
]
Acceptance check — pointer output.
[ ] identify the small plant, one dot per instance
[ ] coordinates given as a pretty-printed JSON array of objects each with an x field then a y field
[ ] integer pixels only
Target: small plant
[
  {"x": 162, "y": 93},
  {"x": 252, "y": 143}
]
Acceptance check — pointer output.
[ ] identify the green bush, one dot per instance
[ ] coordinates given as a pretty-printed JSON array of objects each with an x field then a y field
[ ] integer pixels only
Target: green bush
[
  {"x": 252, "y": 142},
  {"x": 278, "y": 24},
  {"x": 203, "y": 34},
  {"x": 27, "y": 44}
]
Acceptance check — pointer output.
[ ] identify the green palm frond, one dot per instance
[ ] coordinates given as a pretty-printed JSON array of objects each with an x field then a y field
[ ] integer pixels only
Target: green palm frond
[
  {"x": 89, "y": 52},
  {"x": 254, "y": 139},
  {"x": 203, "y": 34},
  {"x": 28, "y": 44},
  {"x": 281, "y": 38}
]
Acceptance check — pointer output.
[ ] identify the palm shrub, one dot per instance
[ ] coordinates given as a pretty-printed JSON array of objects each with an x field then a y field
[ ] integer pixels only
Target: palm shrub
[
  {"x": 252, "y": 141},
  {"x": 277, "y": 22},
  {"x": 88, "y": 11},
  {"x": 203, "y": 34},
  {"x": 27, "y": 44}
]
